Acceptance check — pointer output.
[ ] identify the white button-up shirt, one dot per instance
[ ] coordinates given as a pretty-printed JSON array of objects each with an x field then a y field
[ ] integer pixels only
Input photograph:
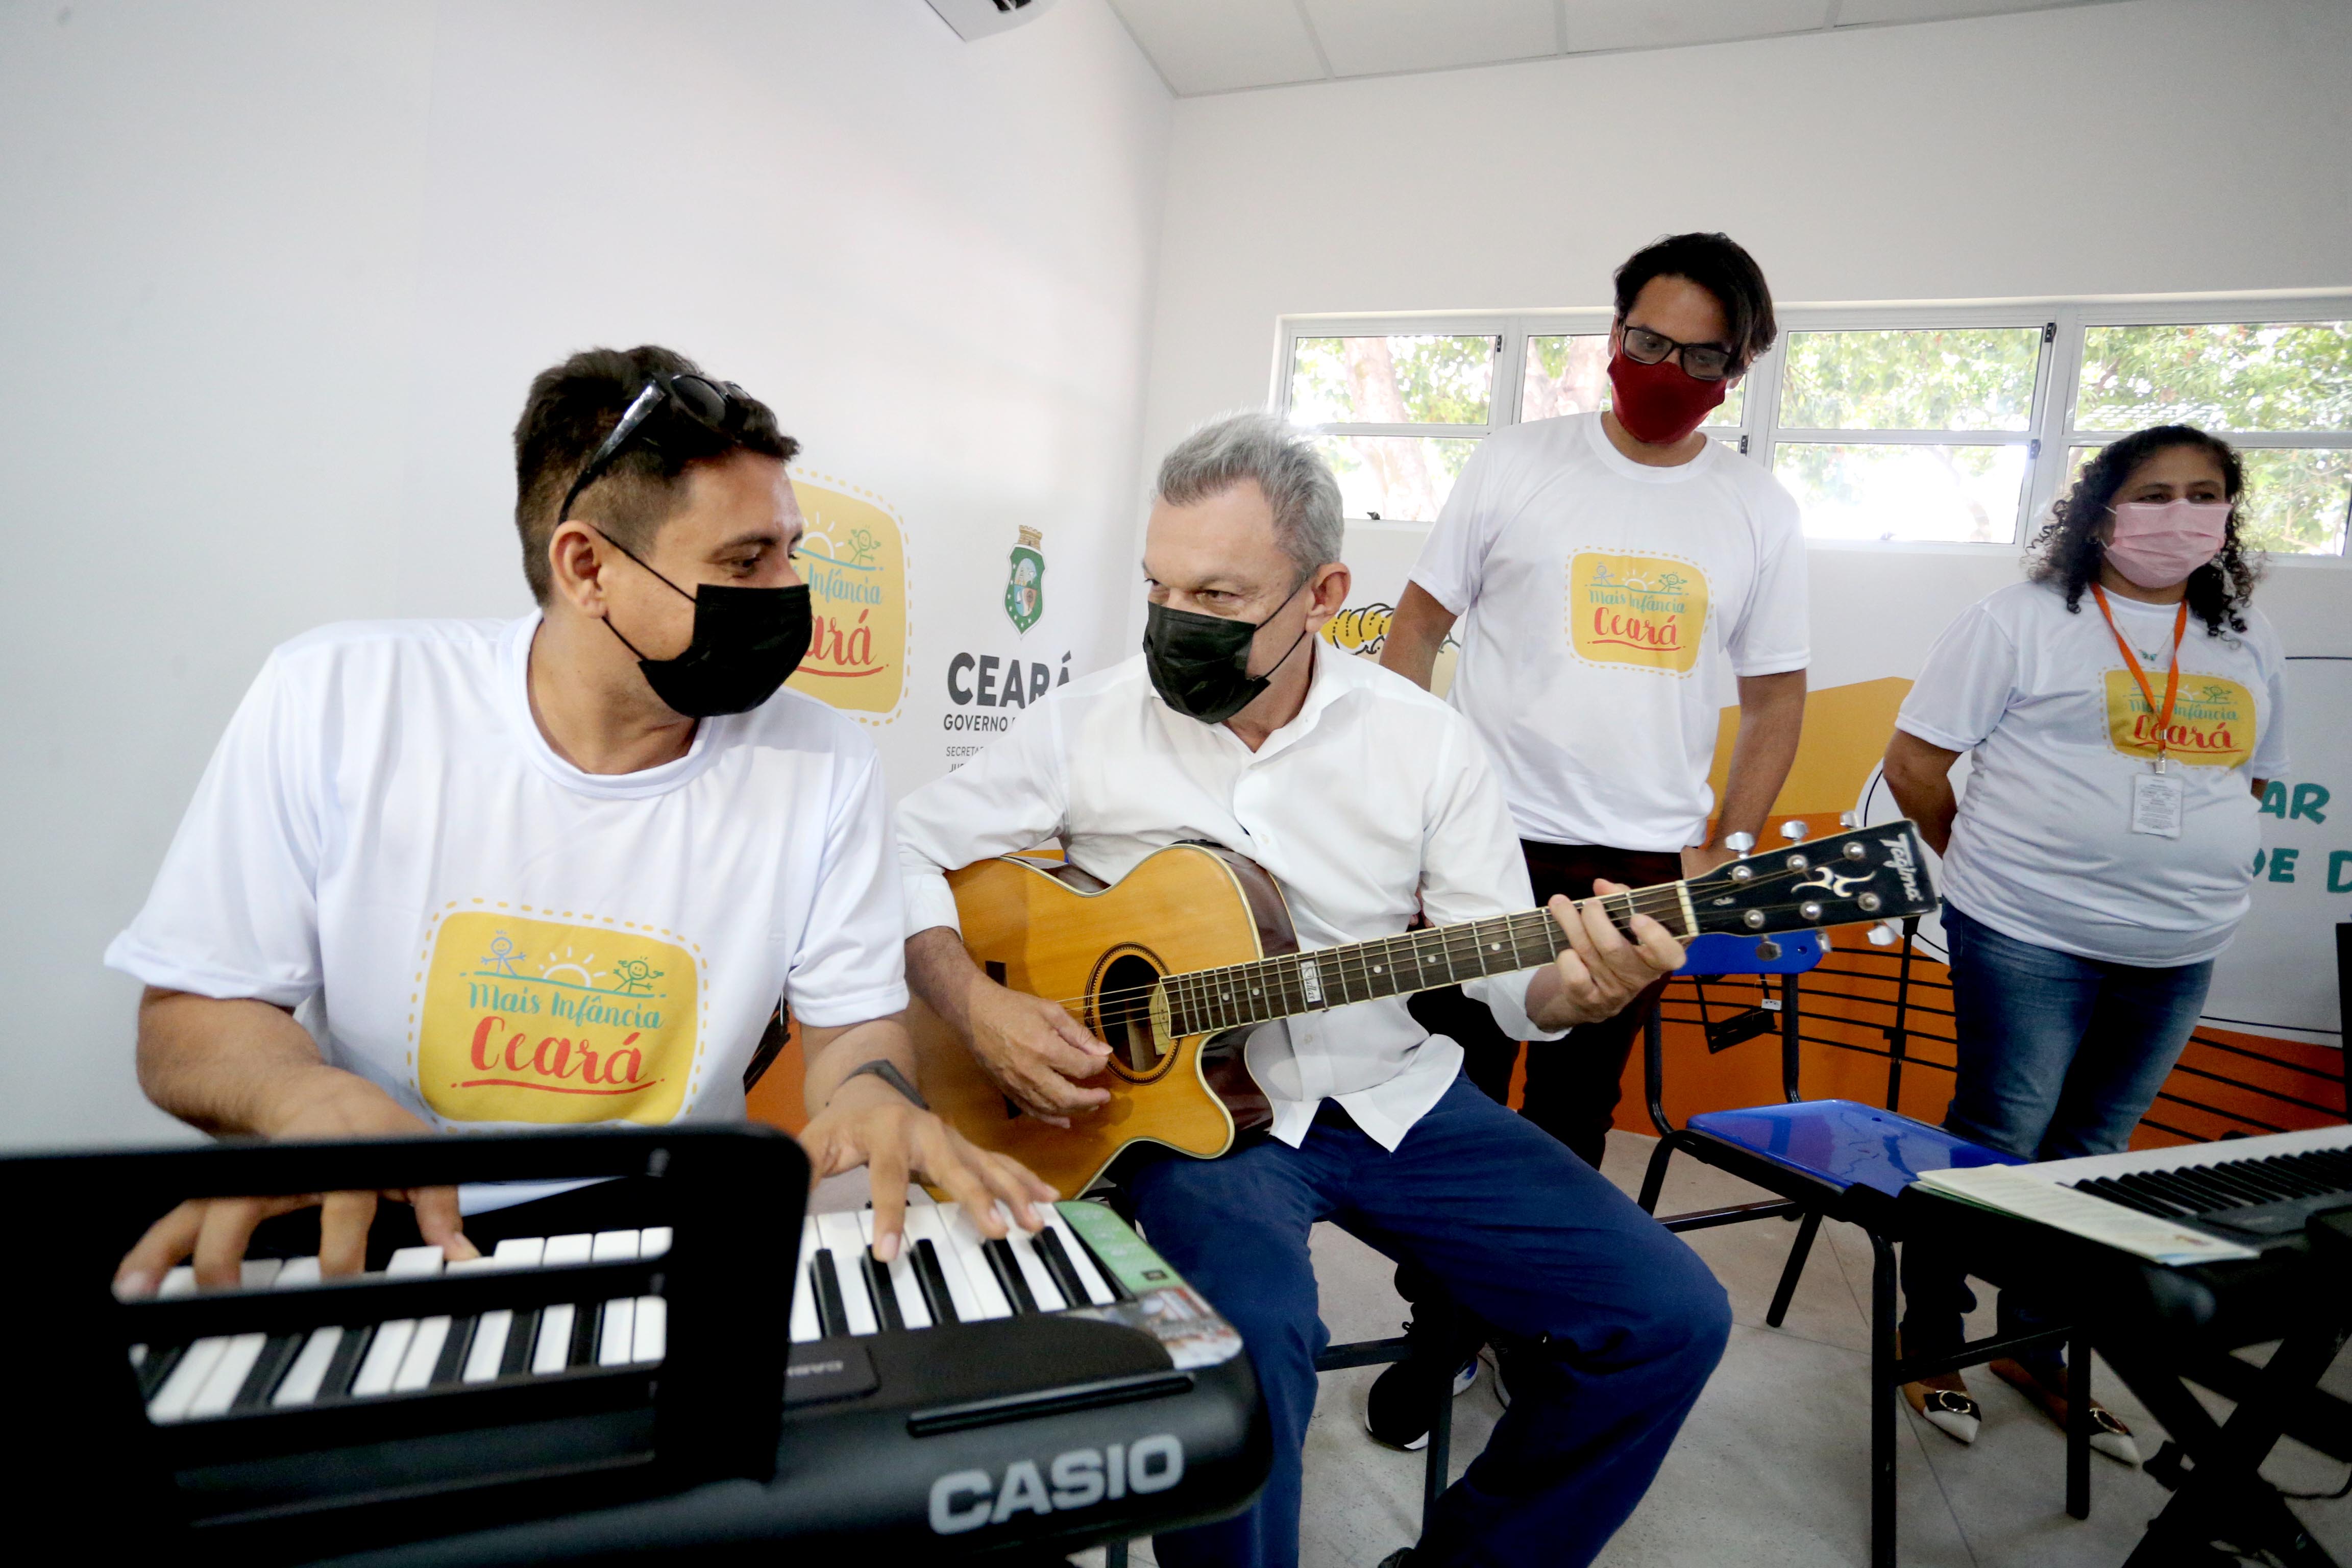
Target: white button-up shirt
[{"x": 1373, "y": 805}]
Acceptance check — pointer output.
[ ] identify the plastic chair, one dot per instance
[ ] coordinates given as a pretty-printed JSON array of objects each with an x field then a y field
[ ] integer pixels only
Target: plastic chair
[{"x": 1841, "y": 1160}]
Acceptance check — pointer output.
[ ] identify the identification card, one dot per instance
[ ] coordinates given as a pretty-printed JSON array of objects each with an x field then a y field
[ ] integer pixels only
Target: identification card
[{"x": 2156, "y": 806}]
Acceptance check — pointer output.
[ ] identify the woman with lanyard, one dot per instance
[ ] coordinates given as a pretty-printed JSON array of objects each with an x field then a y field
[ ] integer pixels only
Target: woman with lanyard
[{"x": 2100, "y": 857}]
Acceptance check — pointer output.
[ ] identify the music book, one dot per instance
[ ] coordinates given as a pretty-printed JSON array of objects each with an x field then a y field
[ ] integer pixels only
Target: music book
[{"x": 2005, "y": 1189}]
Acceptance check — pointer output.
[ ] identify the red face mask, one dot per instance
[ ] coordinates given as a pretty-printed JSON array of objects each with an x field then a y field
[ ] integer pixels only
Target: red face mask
[{"x": 1660, "y": 404}]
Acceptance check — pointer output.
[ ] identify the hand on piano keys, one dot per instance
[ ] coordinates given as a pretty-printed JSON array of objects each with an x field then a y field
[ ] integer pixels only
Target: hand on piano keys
[
  {"x": 211, "y": 1234},
  {"x": 868, "y": 1122},
  {"x": 951, "y": 1272}
]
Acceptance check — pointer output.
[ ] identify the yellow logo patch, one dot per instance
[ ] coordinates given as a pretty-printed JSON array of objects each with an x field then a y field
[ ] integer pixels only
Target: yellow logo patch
[
  {"x": 2212, "y": 719},
  {"x": 1647, "y": 611},
  {"x": 555, "y": 1019},
  {"x": 853, "y": 559}
]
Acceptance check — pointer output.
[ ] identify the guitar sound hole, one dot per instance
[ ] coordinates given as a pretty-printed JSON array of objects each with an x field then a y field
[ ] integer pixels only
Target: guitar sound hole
[{"x": 1123, "y": 1011}]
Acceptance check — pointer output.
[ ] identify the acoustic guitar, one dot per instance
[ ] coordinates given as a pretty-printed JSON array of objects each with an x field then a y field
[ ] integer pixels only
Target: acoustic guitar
[{"x": 1174, "y": 966}]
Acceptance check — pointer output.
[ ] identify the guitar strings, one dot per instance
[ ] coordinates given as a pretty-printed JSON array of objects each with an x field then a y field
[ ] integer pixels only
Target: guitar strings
[{"x": 1664, "y": 897}]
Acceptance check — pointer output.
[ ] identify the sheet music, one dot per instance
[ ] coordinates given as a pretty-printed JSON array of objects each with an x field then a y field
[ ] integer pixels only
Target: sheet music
[{"x": 2008, "y": 1190}]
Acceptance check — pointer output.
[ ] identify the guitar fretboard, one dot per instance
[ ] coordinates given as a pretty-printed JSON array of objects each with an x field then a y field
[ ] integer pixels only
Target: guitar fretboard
[{"x": 1207, "y": 1001}]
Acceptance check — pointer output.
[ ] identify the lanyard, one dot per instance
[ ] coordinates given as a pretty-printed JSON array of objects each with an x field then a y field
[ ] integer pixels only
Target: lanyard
[{"x": 2171, "y": 681}]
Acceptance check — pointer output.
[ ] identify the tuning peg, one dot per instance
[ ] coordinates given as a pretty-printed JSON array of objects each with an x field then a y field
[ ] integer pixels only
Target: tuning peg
[
  {"x": 1739, "y": 844},
  {"x": 1795, "y": 831},
  {"x": 1849, "y": 820},
  {"x": 1884, "y": 934}
]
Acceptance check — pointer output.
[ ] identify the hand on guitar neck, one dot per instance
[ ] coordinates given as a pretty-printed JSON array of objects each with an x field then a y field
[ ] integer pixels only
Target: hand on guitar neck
[{"x": 1599, "y": 972}]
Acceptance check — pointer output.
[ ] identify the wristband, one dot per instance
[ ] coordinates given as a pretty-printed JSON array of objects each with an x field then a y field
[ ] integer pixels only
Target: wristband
[{"x": 889, "y": 1073}]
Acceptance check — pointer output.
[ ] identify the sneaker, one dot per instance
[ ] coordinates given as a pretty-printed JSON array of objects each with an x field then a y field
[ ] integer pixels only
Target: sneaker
[
  {"x": 1501, "y": 1383},
  {"x": 1396, "y": 1408},
  {"x": 2109, "y": 1436}
]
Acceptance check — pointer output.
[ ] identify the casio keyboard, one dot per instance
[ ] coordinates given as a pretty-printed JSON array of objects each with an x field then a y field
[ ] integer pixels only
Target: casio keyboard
[
  {"x": 2285, "y": 1201},
  {"x": 590, "y": 1396}
]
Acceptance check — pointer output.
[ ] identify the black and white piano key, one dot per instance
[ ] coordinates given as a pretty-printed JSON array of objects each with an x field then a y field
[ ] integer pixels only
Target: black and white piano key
[
  {"x": 387, "y": 1353},
  {"x": 802, "y": 1326},
  {"x": 500, "y": 1342},
  {"x": 1045, "y": 1290},
  {"x": 1058, "y": 1240},
  {"x": 616, "y": 1319},
  {"x": 203, "y": 1381},
  {"x": 553, "y": 1350},
  {"x": 900, "y": 1275},
  {"x": 843, "y": 1240},
  {"x": 989, "y": 1298},
  {"x": 939, "y": 1266}
]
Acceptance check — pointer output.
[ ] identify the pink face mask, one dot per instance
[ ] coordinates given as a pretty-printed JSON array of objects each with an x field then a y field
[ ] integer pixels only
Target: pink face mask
[{"x": 2158, "y": 543}]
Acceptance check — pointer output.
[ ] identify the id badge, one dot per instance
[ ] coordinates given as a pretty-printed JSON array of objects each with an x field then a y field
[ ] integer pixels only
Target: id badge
[{"x": 2155, "y": 803}]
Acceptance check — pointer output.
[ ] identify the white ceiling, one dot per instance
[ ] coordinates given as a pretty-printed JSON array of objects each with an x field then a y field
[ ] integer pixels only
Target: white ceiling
[{"x": 1221, "y": 45}]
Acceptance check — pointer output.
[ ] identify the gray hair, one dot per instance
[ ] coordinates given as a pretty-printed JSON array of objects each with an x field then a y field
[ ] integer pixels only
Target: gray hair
[{"x": 1282, "y": 459}]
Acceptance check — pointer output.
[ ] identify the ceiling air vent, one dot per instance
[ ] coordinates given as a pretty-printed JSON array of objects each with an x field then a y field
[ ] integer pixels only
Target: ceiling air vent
[{"x": 978, "y": 19}]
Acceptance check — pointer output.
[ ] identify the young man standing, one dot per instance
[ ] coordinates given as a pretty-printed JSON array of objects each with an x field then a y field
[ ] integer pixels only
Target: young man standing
[
  {"x": 1609, "y": 566},
  {"x": 444, "y": 875},
  {"x": 1370, "y": 803}
]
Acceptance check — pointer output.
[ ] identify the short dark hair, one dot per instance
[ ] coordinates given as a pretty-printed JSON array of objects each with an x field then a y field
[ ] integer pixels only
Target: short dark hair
[
  {"x": 573, "y": 406},
  {"x": 2067, "y": 553},
  {"x": 1721, "y": 265}
]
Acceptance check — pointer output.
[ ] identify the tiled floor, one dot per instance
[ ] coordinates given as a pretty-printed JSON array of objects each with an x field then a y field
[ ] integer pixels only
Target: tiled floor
[{"x": 1772, "y": 1467}]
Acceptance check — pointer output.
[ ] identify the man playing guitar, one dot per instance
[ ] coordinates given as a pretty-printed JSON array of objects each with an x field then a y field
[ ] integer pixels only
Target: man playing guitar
[{"x": 1370, "y": 802}]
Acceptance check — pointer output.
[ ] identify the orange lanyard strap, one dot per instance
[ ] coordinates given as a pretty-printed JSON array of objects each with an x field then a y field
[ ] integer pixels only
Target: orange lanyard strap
[{"x": 2131, "y": 662}]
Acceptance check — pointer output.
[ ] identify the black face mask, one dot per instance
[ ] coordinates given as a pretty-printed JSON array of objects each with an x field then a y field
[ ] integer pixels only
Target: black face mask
[
  {"x": 747, "y": 642},
  {"x": 1199, "y": 664}
]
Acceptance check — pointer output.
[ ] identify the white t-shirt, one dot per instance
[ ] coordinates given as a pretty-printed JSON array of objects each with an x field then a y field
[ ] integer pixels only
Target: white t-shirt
[
  {"x": 385, "y": 840},
  {"x": 2056, "y": 730},
  {"x": 1600, "y": 599}
]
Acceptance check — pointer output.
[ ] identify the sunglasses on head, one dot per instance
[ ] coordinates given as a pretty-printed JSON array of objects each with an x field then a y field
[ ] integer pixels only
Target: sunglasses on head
[
  {"x": 1701, "y": 362},
  {"x": 716, "y": 405}
]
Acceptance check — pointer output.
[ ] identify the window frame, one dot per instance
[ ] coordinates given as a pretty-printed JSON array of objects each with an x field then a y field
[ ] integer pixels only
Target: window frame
[{"x": 2049, "y": 432}]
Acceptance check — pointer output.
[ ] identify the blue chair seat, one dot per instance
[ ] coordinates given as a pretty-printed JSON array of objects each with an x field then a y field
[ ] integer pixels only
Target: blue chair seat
[{"x": 1845, "y": 1143}]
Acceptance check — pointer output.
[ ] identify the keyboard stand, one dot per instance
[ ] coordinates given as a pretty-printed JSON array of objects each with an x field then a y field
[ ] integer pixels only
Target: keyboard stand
[
  {"x": 2162, "y": 1328},
  {"x": 263, "y": 1488}
]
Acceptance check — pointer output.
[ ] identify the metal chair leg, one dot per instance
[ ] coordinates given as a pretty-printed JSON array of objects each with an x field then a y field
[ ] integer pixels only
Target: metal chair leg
[
  {"x": 1883, "y": 1393},
  {"x": 1791, "y": 1270},
  {"x": 2078, "y": 1425},
  {"x": 1441, "y": 1444},
  {"x": 1115, "y": 1555},
  {"x": 1654, "y": 1180}
]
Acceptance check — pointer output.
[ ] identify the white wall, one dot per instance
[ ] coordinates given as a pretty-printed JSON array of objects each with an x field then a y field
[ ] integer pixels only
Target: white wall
[
  {"x": 273, "y": 275},
  {"x": 2159, "y": 146}
]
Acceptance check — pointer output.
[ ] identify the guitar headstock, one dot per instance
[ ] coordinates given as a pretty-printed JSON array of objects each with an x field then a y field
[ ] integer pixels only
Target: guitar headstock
[{"x": 1870, "y": 874}]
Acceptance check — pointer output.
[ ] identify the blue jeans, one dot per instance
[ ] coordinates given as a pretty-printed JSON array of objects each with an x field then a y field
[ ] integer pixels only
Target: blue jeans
[
  {"x": 2059, "y": 1055},
  {"x": 1620, "y": 1321}
]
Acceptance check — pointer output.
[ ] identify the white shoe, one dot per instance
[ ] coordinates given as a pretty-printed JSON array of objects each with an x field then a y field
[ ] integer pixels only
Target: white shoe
[{"x": 1954, "y": 1412}]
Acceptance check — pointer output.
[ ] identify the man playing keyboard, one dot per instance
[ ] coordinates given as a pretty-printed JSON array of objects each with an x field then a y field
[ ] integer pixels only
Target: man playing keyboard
[
  {"x": 1370, "y": 802},
  {"x": 444, "y": 875}
]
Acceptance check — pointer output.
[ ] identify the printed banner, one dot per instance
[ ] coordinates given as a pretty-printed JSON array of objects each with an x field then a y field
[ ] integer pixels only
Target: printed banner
[{"x": 853, "y": 558}]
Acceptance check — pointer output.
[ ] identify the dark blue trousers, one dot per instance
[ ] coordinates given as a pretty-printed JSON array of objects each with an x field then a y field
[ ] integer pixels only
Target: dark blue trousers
[{"x": 1622, "y": 1323}]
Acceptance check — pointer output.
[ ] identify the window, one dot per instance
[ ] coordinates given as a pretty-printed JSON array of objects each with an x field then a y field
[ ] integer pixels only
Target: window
[
  {"x": 2279, "y": 392},
  {"x": 1912, "y": 433},
  {"x": 1400, "y": 414},
  {"x": 1895, "y": 425}
]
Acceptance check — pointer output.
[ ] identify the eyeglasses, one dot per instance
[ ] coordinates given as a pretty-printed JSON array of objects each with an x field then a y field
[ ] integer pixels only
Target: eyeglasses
[
  {"x": 716, "y": 405},
  {"x": 1701, "y": 362}
]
